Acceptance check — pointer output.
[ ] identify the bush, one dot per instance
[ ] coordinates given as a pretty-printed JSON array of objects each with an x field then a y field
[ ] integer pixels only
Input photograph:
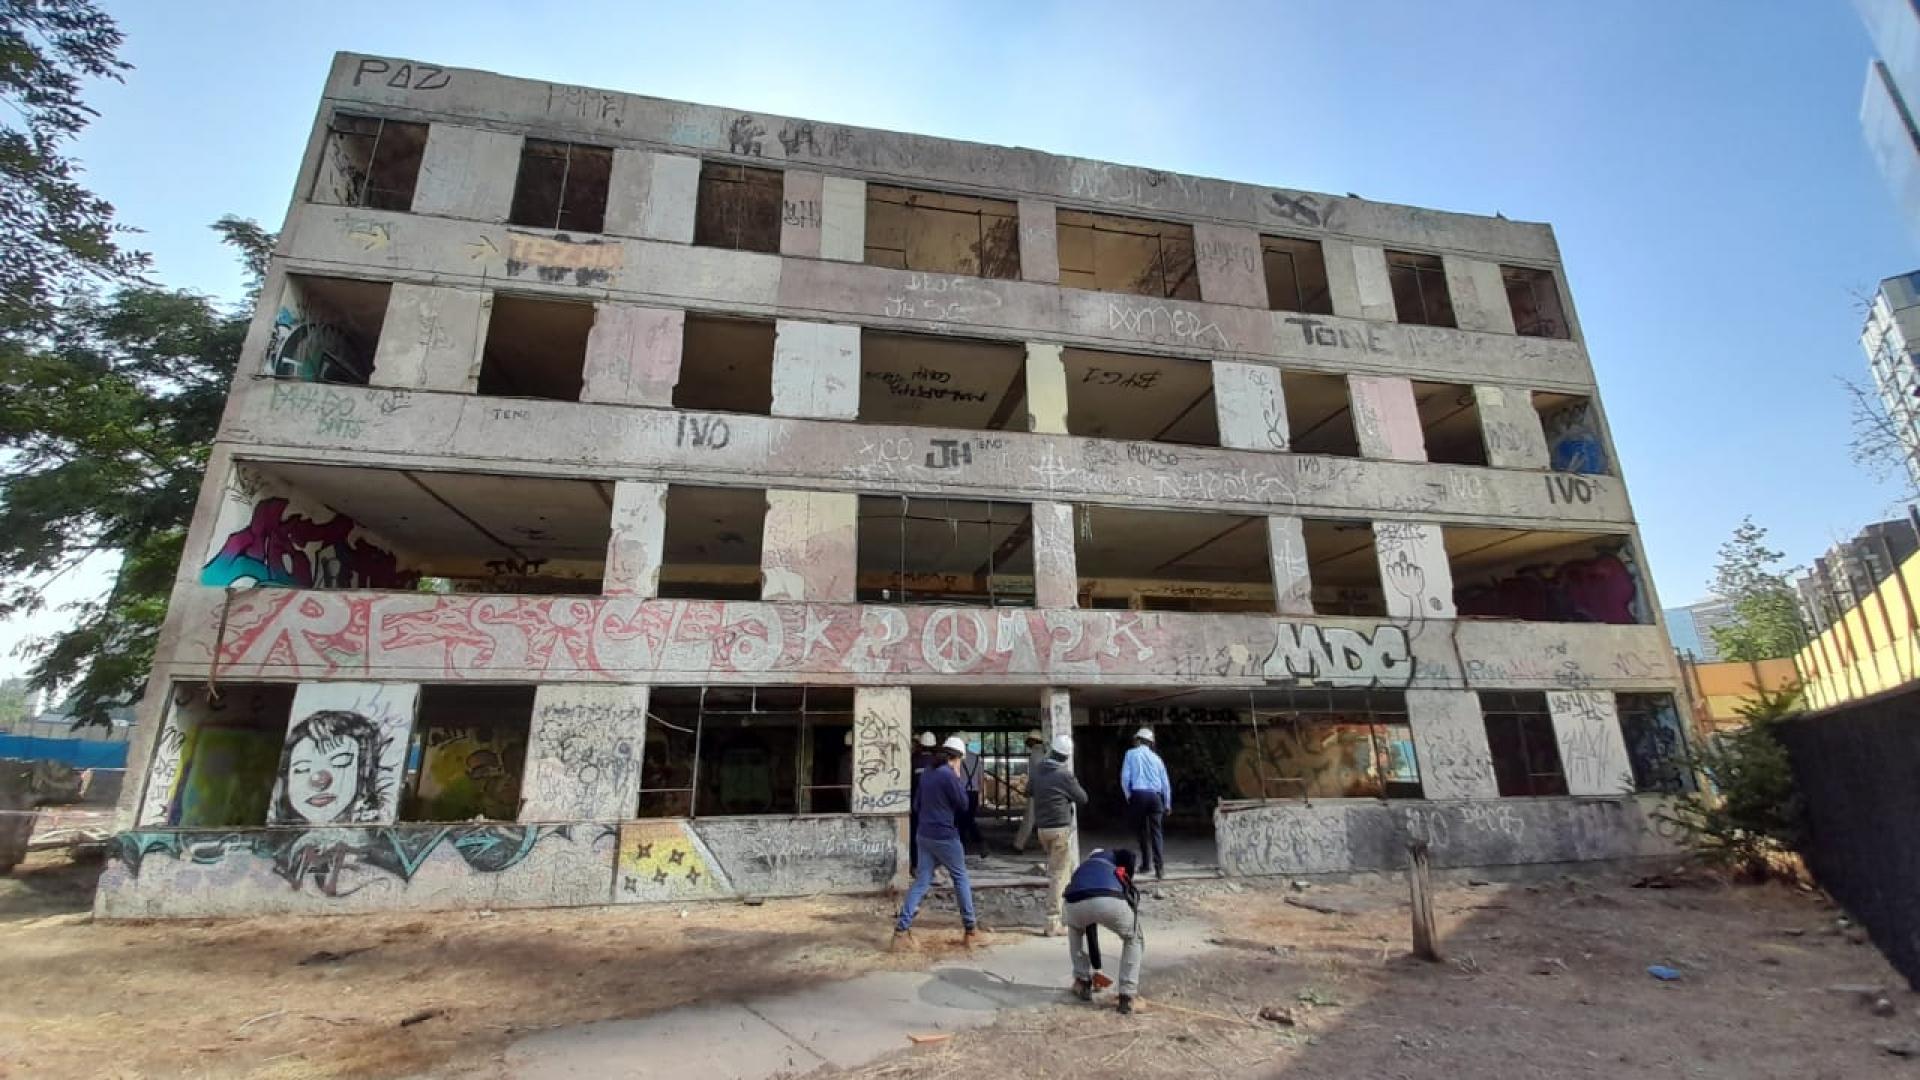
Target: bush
[{"x": 1750, "y": 813}]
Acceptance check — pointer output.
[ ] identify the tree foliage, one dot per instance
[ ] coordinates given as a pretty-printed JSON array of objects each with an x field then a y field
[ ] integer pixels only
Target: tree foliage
[
  {"x": 1766, "y": 611},
  {"x": 1751, "y": 811},
  {"x": 1875, "y": 444}
]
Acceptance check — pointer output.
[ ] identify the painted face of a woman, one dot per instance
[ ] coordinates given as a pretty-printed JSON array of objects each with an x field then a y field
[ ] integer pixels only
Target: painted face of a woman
[{"x": 323, "y": 783}]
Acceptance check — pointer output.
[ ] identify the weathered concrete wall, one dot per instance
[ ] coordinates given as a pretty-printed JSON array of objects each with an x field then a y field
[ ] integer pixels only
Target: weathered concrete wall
[
  {"x": 843, "y": 219},
  {"x": 432, "y": 338},
  {"x": 1414, "y": 572},
  {"x": 583, "y": 753},
  {"x": 1056, "y": 581},
  {"x": 1039, "y": 241},
  {"x": 1593, "y": 751},
  {"x": 816, "y": 370},
  {"x": 1251, "y": 406},
  {"x": 1386, "y": 419},
  {"x": 1228, "y": 262},
  {"x": 1450, "y": 739},
  {"x": 717, "y": 858},
  {"x": 1511, "y": 428},
  {"x": 652, "y": 196},
  {"x": 633, "y": 355},
  {"x": 1479, "y": 296},
  {"x": 1287, "y": 554},
  {"x": 637, "y": 540},
  {"x": 1349, "y": 835},
  {"x": 467, "y": 172},
  {"x": 882, "y": 750},
  {"x": 807, "y": 552}
]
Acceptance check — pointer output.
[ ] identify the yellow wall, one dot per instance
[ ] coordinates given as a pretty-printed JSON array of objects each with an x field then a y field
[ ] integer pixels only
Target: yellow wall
[
  {"x": 1718, "y": 690},
  {"x": 1875, "y": 647}
]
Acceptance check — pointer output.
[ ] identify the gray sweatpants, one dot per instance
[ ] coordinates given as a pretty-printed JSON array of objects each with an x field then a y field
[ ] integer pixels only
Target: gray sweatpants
[{"x": 1108, "y": 913}]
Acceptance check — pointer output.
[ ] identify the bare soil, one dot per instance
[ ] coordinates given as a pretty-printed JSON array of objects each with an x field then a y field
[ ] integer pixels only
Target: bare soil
[{"x": 1539, "y": 980}]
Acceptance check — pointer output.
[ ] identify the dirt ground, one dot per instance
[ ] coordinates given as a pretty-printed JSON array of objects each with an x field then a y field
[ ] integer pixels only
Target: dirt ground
[{"x": 1541, "y": 979}]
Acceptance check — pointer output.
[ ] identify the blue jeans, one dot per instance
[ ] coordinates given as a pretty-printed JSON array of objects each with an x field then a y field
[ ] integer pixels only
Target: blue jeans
[{"x": 938, "y": 851}]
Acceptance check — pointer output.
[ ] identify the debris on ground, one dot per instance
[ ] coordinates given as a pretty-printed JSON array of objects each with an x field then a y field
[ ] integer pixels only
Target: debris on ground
[{"x": 1663, "y": 972}]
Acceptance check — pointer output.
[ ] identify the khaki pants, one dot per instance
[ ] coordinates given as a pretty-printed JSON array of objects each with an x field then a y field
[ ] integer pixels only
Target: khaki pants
[
  {"x": 1058, "y": 844},
  {"x": 1026, "y": 829},
  {"x": 1118, "y": 917}
]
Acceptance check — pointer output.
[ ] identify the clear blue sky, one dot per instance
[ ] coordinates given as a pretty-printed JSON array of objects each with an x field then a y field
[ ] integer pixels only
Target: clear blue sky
[{"x": 1700, "y": 162}]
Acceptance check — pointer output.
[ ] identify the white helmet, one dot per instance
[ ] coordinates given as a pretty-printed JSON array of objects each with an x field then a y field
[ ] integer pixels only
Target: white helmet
[
  {"x": 955, "y": 744},
  {"x": 927, "y": 739},
  {"x": 1144, "y": 733},
  {"x": 1063, "y": 745}
]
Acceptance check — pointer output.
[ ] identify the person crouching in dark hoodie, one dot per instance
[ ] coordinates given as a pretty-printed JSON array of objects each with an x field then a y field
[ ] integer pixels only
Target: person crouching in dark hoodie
[{"x": 1102, "y": 894}]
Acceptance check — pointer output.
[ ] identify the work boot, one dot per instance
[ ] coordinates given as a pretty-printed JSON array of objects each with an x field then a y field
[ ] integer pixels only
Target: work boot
[
  {"x": 902, "y": 941},
  {"x": 1083, "y": 989},
  {"x": 1125, "y": 1008},
  {"x": 971, "y": 938}
]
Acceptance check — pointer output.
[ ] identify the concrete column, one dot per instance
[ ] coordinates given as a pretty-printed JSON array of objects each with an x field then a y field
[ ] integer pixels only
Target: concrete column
[
  {"x": 882, "y": 749},
  {"x": 652, "y": 196},
  {"x": 432, "y": 338},
  {"x": 800, "y": 213},
  {"x": 1479, "y": 295},
  {"x": 639, "y": 529},
  {"x": 1450, "y": 738},
  {"x": 1343, "y": 287},
  {"x": 843, "y": 219},
  {"x": 583, "y": 753},
  {"x": 1046, "y": 389},
  {"x": 1229, "y": 264},
  {"x": 1250, "y": 406},
  {"x": 370, "y": 719},
  {"x": 1039, "y": 242},
  {"x": 1057, "y": 717},
  {"x": 1414, "y": 572},
  {"x": 807, "y": 549},
  {"x": 1287, "y": 551},
  {"x": 1373, "y": 292},
  {"x": 816, "y": 370},
  {"x": 185, "y": 712},
  {"x": 633, "y": 355},
  {"x": 1511, "y": 427},
  {"x": 1056, "y": 582},
  {"x": 1386, "y": 418},
  {"x": 1593, "y": 752},
  {"x": 467, "y": 173}
]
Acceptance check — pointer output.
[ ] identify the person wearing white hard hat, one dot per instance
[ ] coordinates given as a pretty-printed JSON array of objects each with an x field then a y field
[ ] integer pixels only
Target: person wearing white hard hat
[
  {"x": 1143, "y": 776},
  {"x": 1036, "y": 753},
  {"x": 924, "y": 758},
  {"x": 1055, "y": 795},
  {"x": 943, "y": 799}
]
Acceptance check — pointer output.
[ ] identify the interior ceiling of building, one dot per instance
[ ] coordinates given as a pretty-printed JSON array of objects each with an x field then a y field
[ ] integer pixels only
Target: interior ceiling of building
[
  {"x": 1112, "y": 542},
  {"x": 945, "y": 536},
  {"x": 1471, "y": 549},
  {"x": 535, "y": 348},
  {"x": 714, "y": 526},
  {"x": 1450, "y": 418},
  {"x": 1124, "y": 396},
  {"x": 942, "y": 382},
  {"x": 1319, "y": 414},
  {"x": 1341, "y": 553},
  {"x": 357, "y": 307},
  {"x": 726, "y": 365}
]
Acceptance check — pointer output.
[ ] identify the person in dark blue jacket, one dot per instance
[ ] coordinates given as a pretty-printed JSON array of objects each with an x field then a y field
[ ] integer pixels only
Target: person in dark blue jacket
[
  {"x": 943, "y": 802},
  {"x": 1101, "y": 893}
]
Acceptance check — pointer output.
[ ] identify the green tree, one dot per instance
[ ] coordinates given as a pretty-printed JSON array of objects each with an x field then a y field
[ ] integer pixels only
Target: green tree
[
  {"x": 1766, "y": 611},
  {"x": 105, "y": 424},
  {"x": 1751, "y": 811}
]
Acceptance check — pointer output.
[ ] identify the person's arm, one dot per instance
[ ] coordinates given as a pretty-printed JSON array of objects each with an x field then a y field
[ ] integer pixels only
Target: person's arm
[
  {"x": 1166, "y": 789},
  {"x": 1129, "y": 771},
  {"x": 1074, "y": 791}
]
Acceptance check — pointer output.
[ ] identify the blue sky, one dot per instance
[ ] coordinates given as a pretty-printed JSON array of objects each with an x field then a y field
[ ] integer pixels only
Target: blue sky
[{"x": 1701, "y": 163}]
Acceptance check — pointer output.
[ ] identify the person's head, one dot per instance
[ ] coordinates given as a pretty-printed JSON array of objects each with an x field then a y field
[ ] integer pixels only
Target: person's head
[
  {"x": 1035, "y": 741},
  {"x": 1123, "y": 859},
  {"x": 955, "y": 750},
  {"x": 927, "y": 740},
  {"x": 1143, "y": 737},
  {"x": 1062, "y": 747},
  {"x": 330, "y": 770}
]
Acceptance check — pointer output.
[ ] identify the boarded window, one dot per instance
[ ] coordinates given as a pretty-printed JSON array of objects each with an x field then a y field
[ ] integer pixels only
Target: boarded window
[
  {"x": 1419, "y": 288},
  {"x": 1526, "y": 756},
  {"x": 1534, "y": 297},
  {"x": 941, "y": 233},
  {"x": 562, "y": 186},
  {"x": 370, "y": 162},
  {"x": 738, "y": 208},
  {"x": 1129, "y": 255},
  {"x": 1296, "y": 275}
]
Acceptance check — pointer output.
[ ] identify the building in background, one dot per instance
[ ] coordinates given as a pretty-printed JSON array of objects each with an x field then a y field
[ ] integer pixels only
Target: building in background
[
  {"x": 1891, "y": 338},
  {"x": 1850, "y": 570},
  {"x": 613, "y": 488},
  {"x": 1886, "y": 113},
  {"x": 1691, "y": 628}
]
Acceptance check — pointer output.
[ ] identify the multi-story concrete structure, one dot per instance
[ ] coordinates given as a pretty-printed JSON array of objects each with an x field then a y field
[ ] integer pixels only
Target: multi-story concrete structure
[
  {"x": 1891, "y": 340},
  {"x": 613, "y": 487}
]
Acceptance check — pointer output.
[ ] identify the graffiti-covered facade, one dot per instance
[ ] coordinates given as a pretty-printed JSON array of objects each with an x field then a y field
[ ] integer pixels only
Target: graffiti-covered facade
[{"x": 613, "y": 490}]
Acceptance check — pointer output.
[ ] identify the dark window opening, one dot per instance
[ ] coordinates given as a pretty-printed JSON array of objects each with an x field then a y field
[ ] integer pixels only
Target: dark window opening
[
  {"x": 1344, "y": 568},
  {"x": 1541, "y": 576},
  {"x": 716, "y": 751},
  {"x": 711, "y": 547},
  {"x": 370, "y": 162},
  {"x": 562, "y": 186},
  {"x": 1419, "y": 289},
  {"x": 327, "y": 330},
  {"x": 1169, "y": 560},
  {"x": 217, "y": 760},
  {"x": 1129, "y": 255},
  {"x": 1656, "y": 742},
  {"x": 930, "y": 550},
  {"x": 929, "y": 381},
  {"x": 536, "y": 348},
  {"x": 468, "y": 754},
  {"x": 1296, "y": 275},
  {"x": 1145, "y": 398},
  {"x": 1319, "y": 414},
  {"x": 726, "y": 365},
  {"x": 941, "y": 233},
  {"x": 1534, "y": 297},
  {"x": 1317, "y": 743},
  {"x": 1450, "y": 421},
  {"x": 738, "y": 208},
  {"x": 1574, "y": 442},
  {"x": 1526, "y": 756}
]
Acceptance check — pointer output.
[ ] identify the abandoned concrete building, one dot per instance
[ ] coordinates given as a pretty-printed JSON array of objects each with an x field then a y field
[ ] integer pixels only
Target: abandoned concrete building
[{"x": 613, "y": 489}]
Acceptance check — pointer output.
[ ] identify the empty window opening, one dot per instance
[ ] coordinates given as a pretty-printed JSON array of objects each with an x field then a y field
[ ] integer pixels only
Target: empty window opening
[
  {"x": 1319, "y": 414},
  {"x": 1151, "y": 398},
  {"x": 1296, "y": 275},
  {"x": 942, "y": 233},
  {"x": 561, "y": 186},
  {"x": 331, "y": 526},
  {"x": 1450, "y": 421},
  {"x": 930, "y": 381},
  {"x": 738, "y": 207},
  {"x": 1419, "y": 288},
  {"x": 930, "y": 550},
  {"x": 1656, "y": 743},
  {"x": 1169, "y": 560},
  {"x": 327, "y": 329},
  {"x": 535, "y": 348},
  {"x": 1534, "y": 296},
  {"x": 711, "y": 549},
  {"x": 715, "y": 751},
  {"x": 468, "y": 754},
  {"x": 218, "y": 756},
  {"x": 1526, "y": 756},
  {"x": 1130, "y": 255},
  {"x": 1544, "y": 576},
  {"x": 370, "y": 162},
  {"x": 1574, "y": 442},
  {"x": 1344, "y": 568},
  {"x": 726, "y": 365}
]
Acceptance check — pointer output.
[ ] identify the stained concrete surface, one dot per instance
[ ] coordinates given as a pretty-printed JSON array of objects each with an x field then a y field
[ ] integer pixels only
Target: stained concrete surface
[{"x": 843, "y": 1024}]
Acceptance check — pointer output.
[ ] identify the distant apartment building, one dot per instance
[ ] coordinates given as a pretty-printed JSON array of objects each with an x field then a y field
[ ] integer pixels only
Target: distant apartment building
[
  {"x": 1891, "y": 340},
  {"x": 1691, "y": 628},
  {"x": 1850, "y": 570}
]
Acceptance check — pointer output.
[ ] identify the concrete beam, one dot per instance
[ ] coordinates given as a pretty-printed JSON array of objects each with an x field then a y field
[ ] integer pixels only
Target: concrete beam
[
  {"x": 1229, "y": 264},
  {"x": 843, "y": 219},
  {"x": 583, "y": 753},
  {"x": 1478, "y": 293},
  {"x": 1511, "y": 427},
  {"x": 1056, "y": 582},
  {"x": 807, "y": 548},
  {"x": 333, "y": 732},
  {"x": 1414, "y": 572},
  {"x": 639, "y": 528},
  {"x": 1250, "y": 406},
  {"x": 1287, "y": 552},
  {"x": 1046, "y": 389},
  {"x": 467, "y": 173},
  {"x": 1039, "y": 242},
  {"x": 652, "y": 196},
  {"x": 882, "y": 749},
  {"x": 1593, "y": 751},
  {"x": 816, "y": 370},
  {"x": 801, "y": 213},
  {"x": 633, "y": 355},
  {"x": 1450, "y": 739},
  {"x": 432, "y": 339},
  {"x": 1385, "y": 418}
]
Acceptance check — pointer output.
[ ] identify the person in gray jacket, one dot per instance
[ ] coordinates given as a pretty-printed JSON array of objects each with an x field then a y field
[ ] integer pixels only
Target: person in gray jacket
[{"x": 1055, "y": 794}]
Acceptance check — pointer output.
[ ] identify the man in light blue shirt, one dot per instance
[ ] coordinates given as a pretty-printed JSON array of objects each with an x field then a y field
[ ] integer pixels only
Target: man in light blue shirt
[{"x": 1143, "y": 776}]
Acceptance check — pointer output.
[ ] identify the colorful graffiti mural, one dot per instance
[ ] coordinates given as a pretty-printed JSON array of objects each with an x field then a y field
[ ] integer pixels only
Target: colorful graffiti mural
[
  {"x": 1573, "y": 441},
  {"x": 290, "y": 550},
  {"x": 226, "y": 778},
  {"x": 470, "y": 771},
  {"x": 1600, "y": 589},
  {"x": 314, "y": 350}
]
